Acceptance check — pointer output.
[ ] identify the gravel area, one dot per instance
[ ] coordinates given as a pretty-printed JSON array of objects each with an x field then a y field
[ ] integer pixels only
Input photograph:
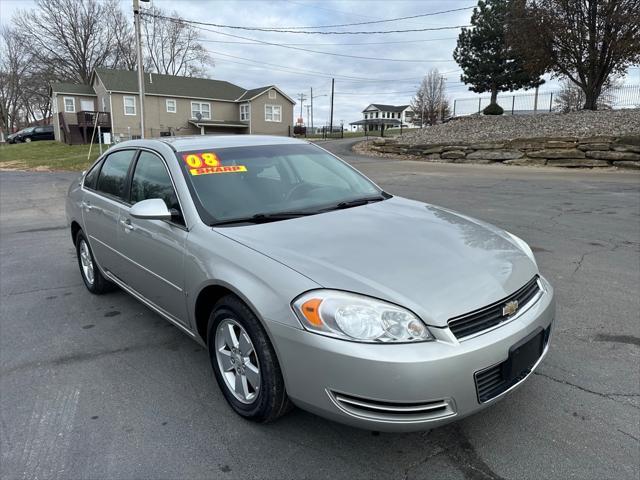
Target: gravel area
[{"x": 507, "y": 127}]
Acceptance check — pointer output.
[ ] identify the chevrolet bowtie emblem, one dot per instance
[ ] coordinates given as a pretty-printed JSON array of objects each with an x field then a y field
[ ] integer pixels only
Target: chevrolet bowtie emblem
[{"x": 510, "y": 308}]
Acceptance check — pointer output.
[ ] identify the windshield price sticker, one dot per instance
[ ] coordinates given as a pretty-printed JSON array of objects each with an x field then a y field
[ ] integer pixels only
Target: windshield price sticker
[
  {"x": 220, "y": 169},
  {"x": 206, "y": 163}
]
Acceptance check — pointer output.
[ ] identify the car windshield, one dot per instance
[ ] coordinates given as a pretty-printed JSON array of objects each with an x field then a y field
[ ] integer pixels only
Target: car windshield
[{"x": 271, "y": 182}]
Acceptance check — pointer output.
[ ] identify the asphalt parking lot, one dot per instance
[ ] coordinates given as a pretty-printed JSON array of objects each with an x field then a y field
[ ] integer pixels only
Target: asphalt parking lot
[{"x": 101, "y": 387}]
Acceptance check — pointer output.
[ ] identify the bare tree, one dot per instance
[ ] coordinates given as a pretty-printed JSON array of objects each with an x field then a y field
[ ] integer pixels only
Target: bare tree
[
  {"x": 172, "y": 46},
  {"x": 34, "y": 93},
  {"x": 124, "y": 51},
  {"x": 430, "y": 101},
  {"x": 71, "y": 37},
  {"x": 13, "y": 65},
  {"x": 586, "y": 41},
  {"x": 571, "y": 97}
]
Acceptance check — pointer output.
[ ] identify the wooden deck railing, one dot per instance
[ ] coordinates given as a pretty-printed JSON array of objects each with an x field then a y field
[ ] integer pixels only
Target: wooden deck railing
[{"x": 87, "y": 118}]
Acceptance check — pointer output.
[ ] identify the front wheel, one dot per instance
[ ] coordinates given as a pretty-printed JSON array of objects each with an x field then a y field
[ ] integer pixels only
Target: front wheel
[
  {"x": 244, "y": 362},
  {"x": 91, "y": 275},
  {"x": 27, "y": 140}
]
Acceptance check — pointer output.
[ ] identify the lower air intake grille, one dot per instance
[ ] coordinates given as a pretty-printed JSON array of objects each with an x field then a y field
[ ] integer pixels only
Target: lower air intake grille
[
  {"x": 391, "y": 411},
  {"x": 494, "y": 314}
]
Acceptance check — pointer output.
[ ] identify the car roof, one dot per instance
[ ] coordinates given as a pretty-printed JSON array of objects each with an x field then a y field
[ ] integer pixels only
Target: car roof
[{"x": 201, "y": 142}]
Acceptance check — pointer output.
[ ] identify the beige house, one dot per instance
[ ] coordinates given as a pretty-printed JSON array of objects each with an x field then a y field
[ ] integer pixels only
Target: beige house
[{"x": 172, "y": 106}]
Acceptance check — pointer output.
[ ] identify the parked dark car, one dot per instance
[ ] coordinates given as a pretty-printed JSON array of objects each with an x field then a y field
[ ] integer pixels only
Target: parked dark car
[
  {"x": 13, "y": 137},
  {"x": 33, "y": 134}
]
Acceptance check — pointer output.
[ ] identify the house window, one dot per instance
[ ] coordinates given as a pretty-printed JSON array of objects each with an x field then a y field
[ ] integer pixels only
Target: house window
[
  {"x": 129, "y": 105},
  {"x": 244, "y": 112},
  {"x": 272, "y": 94},
  {"x": 272, "y": 113},
  {"x": 104, "y": 104},
  {"x": 201, "y": 108},
  {"x": 376, "y": 114},
  {"x": 171, "y": 105},
  {"x": 69, "y": 104}
]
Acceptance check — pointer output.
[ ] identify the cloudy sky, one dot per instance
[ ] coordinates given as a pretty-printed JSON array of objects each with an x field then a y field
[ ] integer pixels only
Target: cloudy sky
[{"x": 391, "y": 74}]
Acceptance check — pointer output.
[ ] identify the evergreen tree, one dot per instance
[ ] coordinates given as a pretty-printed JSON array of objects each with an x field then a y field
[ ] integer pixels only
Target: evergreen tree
[{"x": 488, "y": 63}]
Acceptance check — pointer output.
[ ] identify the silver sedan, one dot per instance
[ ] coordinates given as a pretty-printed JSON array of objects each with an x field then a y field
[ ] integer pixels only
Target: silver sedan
[{"x": 309, "y": 284}]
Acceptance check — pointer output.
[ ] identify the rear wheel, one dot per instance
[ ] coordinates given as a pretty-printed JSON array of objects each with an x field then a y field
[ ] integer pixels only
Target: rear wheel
[
  {"x": 91, "y": 275},
  {"x": 244, "y": 362}
]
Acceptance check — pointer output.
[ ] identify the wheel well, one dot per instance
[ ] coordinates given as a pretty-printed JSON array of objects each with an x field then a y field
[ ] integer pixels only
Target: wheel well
[
  {"x": 75, "y": 228},
  {"x": 207, "y": 298}
]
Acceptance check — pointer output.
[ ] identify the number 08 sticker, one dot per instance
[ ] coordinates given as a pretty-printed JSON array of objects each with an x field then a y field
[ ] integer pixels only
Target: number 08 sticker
[{"x": 206, "y": 163}]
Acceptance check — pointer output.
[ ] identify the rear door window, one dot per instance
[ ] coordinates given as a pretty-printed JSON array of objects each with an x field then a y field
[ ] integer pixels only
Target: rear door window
[
  {"x": 92, "y": 176},
  {"x": 113, "y": 174}
]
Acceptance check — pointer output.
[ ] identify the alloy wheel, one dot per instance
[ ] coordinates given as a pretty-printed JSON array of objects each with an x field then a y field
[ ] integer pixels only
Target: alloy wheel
[
  {"x": 237, "y": 361},
  {"x": 86, "y": 262}
]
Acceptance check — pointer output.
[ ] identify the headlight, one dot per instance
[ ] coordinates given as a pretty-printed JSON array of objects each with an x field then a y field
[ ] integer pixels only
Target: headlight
[
  {"x": 524, "y": 246},
  {"x": 358, "y": 318}
]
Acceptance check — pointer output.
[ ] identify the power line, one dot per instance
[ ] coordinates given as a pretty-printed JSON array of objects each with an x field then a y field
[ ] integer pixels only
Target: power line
[
  {"x": 306, "y": 72},
  {"x": 288, "y": 69},
  {"x": 317, "y": 51},
  {"x": 397, "y": 19},
  {"x": 307, "y": 32},
  {"x": 335, "y": 44}
]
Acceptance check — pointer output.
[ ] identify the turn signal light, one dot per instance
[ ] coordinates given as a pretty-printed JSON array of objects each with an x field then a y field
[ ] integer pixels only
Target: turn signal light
[{"x": 311, "y": 311}]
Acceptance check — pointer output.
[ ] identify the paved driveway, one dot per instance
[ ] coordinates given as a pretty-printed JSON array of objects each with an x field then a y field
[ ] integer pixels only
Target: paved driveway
[{"x": 101, "y": 387}]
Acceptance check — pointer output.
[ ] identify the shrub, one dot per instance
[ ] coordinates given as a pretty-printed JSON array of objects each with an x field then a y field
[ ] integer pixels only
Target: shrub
[{"x": 493, "y": 109}]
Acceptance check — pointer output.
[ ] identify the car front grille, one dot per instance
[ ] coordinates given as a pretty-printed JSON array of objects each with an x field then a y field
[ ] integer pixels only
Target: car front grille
[
  {"x": 393, "y": 411},
  {"x": 491, "y": 382},
  {"x": 487, "y": 317}
]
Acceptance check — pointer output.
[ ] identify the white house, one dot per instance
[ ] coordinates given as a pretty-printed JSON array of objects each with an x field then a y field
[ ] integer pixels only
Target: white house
[{"x": 376, "y": 115}]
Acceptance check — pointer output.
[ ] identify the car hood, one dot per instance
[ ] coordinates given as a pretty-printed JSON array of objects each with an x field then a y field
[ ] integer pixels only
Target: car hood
[{"x": 433, "y": 261}]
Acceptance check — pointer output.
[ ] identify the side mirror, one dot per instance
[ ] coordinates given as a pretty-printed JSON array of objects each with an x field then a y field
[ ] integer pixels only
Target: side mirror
[{"x": 151, "y": 209}]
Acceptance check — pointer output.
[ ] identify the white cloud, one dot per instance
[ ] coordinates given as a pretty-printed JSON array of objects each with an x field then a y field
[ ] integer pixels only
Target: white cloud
[{"x": 405, "y": 76}]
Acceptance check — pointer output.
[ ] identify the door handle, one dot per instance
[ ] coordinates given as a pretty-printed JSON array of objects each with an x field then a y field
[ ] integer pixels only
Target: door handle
[
  {"x": 128, "y": 226},
  {"x": 87, "y": 206}
]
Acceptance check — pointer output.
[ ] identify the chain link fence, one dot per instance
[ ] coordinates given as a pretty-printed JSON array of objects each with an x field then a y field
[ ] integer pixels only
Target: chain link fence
[{"x": 627, "y": 96}]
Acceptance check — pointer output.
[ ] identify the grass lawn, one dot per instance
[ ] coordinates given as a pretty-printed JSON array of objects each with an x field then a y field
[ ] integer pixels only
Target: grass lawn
[{"x": 46, "y": 155}]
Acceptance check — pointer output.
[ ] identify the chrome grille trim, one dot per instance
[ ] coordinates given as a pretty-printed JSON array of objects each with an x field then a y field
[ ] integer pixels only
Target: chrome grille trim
[
  {"x": 488, "y": 318},
  {"x": 391, "y": 411}
]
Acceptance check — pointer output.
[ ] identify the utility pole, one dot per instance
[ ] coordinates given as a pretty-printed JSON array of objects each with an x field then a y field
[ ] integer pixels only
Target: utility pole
[
  {"x": 136, "y": 21},
  {"x": 308, "y": 109},
  {"x": 331, "y": 116},
  {"x": 302, "y": 97},
  {"x": 311, "y": 97},
  {"x": 441, "y": 98}
]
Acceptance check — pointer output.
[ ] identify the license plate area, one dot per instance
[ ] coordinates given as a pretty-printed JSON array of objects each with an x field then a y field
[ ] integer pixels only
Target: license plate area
[{"x": 523, "y": 356}]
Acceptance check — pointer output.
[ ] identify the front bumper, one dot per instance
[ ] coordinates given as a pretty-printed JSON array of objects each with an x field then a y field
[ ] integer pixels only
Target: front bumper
[{"x": 402, "y": 387}]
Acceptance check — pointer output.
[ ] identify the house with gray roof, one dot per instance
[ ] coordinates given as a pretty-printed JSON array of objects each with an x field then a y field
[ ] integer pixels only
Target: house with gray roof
[
  {"x": 378, "y": 116},
  {"x": 172, "y": 105}
]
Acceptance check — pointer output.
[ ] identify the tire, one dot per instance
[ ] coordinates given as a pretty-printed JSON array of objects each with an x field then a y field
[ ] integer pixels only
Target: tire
[
  {"x": 27, "y": 140},
  {"x": 267, "y": 402},
  {"x": 91, "y": 275}
]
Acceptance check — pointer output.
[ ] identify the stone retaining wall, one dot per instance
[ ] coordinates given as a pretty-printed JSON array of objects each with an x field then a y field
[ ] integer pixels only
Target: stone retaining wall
[{"x": 623, "y": 152}]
